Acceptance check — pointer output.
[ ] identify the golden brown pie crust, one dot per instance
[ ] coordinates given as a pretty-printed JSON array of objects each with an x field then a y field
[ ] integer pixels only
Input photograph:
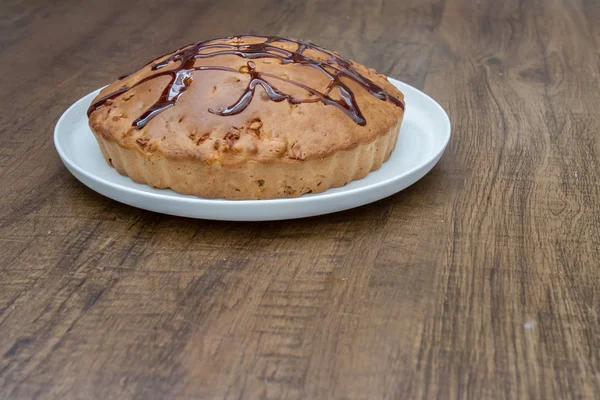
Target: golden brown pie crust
[{"x": 271, "y": 149}]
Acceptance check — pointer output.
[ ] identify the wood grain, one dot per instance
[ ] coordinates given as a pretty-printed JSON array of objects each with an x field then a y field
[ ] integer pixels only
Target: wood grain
[{"x": 481, "y": 281}]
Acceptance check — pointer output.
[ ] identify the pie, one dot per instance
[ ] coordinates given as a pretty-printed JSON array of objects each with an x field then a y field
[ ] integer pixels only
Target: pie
[{"x": 248, "y": 117}]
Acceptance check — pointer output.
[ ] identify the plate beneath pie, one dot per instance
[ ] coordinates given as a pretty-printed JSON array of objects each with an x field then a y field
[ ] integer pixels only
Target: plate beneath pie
[{"x": 423, "y": 138}]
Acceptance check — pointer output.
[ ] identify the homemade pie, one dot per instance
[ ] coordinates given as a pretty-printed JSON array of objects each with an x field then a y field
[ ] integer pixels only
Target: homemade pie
[{"x": 248, "y": 117}]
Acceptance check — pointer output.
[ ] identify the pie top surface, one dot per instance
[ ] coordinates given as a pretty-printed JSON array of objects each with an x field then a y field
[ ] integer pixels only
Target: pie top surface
[{"x": 246, "y": 98}]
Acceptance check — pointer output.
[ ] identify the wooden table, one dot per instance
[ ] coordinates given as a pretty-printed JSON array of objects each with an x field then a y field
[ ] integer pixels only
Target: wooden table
[{"x": 480, "y": 281}]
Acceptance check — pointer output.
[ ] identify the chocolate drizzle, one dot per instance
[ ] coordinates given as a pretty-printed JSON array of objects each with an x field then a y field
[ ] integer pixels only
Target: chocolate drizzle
[{"x": 334, "y": 67}]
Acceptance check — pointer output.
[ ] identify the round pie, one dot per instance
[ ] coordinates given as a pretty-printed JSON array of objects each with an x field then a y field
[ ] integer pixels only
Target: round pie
[{"x": 248, "y": 117}]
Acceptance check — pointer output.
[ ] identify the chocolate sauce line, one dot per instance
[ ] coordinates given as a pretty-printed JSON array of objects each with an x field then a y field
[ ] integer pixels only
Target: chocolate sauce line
[
  {"x": 335, "y": 68},
  {"x": 349, "y": 105},
  {"x": 168, "y": 97}
]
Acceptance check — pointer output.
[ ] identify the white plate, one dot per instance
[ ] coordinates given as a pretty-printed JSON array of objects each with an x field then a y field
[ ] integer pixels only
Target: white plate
[{"x": 424, "y": 135}]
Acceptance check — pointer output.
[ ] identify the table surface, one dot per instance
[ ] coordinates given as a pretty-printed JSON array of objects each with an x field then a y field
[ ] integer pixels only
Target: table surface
[{"x": 480, "y": 281}]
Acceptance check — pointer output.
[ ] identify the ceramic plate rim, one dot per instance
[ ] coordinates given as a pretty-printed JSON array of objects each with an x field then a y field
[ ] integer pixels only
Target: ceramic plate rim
[{"x": 319, "y": 197}]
